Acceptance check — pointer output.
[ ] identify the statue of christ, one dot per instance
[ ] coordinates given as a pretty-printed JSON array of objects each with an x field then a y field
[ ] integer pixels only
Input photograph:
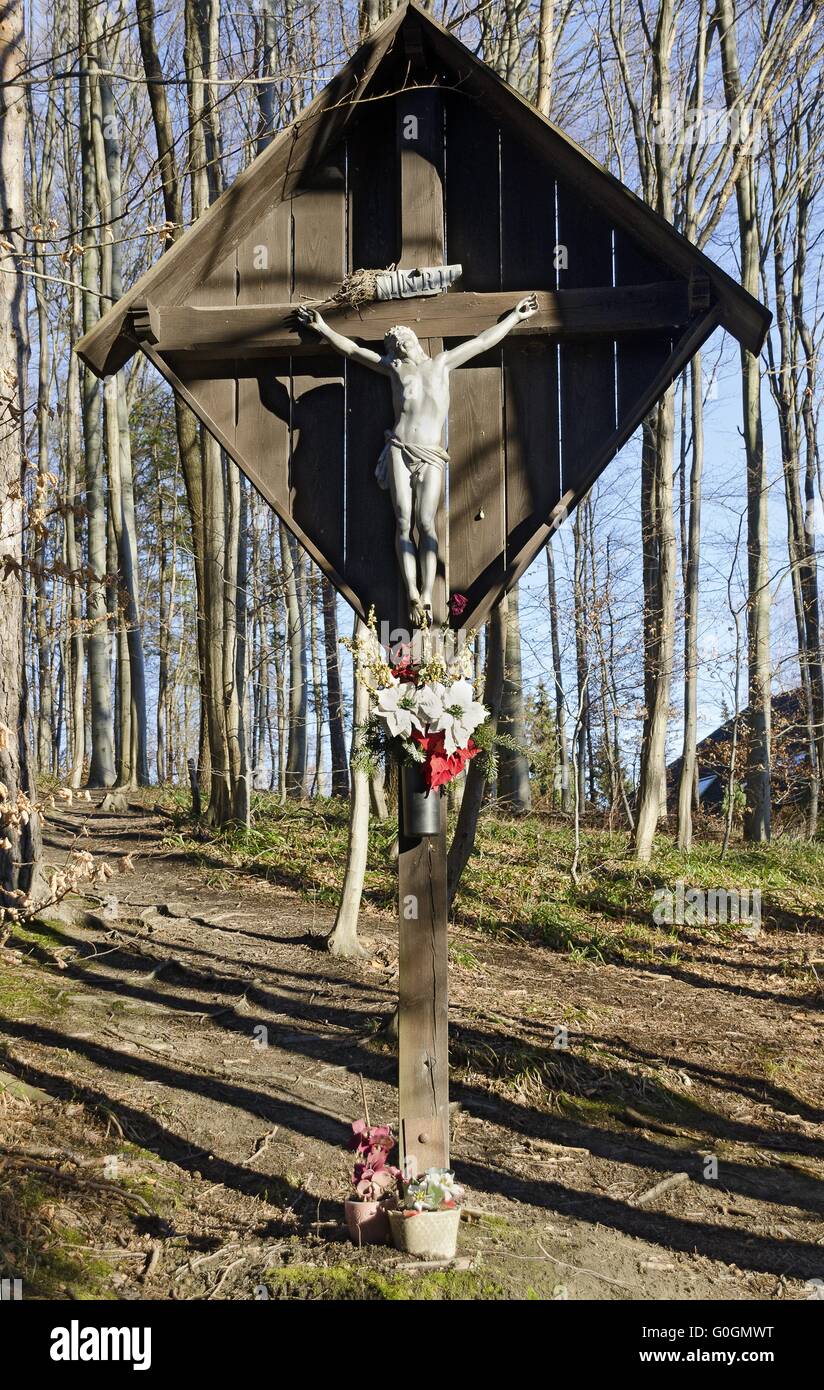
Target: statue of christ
[{"x": 413, "y": 460}]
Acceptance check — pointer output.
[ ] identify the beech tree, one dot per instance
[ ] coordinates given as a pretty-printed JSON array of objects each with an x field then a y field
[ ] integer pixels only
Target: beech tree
[{"x": 19, "y": 822}]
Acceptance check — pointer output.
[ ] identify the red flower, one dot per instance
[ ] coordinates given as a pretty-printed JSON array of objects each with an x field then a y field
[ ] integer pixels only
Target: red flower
[
  {"x": 457, "y": 604},
  {"x": 405, "y": 672},
  {"x": 442, "y": 767}
]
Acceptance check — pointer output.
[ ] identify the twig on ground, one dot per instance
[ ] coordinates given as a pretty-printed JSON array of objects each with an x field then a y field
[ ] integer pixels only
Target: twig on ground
[
  {"x": 674, "y": 1180},
  {"x": 261, "y": 1144},
  {"x": 151, "y": 1263},
  {"x": 580, "y": 1269}
]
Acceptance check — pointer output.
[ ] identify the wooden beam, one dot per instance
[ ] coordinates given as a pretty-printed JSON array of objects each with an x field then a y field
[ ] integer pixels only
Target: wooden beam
[{"x": 255, "y": 330}]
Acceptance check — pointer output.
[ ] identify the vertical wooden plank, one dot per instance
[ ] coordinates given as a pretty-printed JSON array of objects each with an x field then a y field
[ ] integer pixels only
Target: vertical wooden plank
[
  {"x": 530, "y": 366},
  {"x": 374, "y": 243},
  {"x": 419, "y": 116},
  {"x": 420, "y": 135},
  {"x": 317, "y": 481},
  {"x": 640, "y": 357},
  {"x": 423, "y": 1054},
  {"x": 527, "y": 218},
  {"x": 476, "y": 477},
  {"x": 587, "y": 368},
  {"x": 472, "y": 182},
  {"x": 477, "y": 525},
  {"x": 533, "y": 473},
  {"x": 215, "y": 391},
  {"x": 264, "y": 274}
]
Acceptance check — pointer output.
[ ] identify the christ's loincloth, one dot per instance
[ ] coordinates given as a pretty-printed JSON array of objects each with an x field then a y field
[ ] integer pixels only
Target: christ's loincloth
[{"x": 415, "y": 456}]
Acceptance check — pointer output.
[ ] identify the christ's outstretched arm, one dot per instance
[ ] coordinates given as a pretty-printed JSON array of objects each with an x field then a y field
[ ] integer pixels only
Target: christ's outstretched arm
[
  {"x": 490, "y": 337},
  {"x": 310, "y": 318}
]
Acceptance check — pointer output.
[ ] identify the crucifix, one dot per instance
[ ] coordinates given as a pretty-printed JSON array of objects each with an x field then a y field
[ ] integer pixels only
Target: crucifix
[
  {"x": 412, "y": 138},
  {"x": 412, "y": 463}
]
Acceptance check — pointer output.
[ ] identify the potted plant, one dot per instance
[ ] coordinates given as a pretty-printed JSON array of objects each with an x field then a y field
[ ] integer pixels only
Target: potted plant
[
  {"x": 374, "y": 1184},
  {"x": 427, "y": 1223}
]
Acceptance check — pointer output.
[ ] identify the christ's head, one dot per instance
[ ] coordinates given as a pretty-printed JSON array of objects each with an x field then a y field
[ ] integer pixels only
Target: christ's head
[{"x": 401, "y": 342}]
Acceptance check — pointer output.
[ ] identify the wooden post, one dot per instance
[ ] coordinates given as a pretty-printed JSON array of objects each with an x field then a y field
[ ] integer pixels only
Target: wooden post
[
  {"x": 423, "y": 1060},
  {"x": 423, "y": 1057}
]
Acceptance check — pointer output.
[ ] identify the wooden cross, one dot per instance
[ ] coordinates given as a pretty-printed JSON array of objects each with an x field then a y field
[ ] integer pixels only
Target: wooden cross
[{"x": 269, "y": 331}]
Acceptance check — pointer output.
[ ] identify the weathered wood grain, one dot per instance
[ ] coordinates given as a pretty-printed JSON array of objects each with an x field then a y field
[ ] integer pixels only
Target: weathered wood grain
[
  {"x": 374, "y": 232},
  {"x": 317, "y": 477},
  {"x": 264, "y": 268},
  {"x": 419, "y": 129},
  {"x": 587, "y": 370},
  {"x": 476, "y": 478},
  {"x": 533, "y": 481},
  {"x": 423, "y": 1051},
  {"x": 253, "y": 331},
  {"x": 639, "y": 361}
]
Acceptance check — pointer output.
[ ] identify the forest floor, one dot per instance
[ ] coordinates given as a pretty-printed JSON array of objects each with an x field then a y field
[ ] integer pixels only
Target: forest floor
[{"x": 180, "y": 1061}]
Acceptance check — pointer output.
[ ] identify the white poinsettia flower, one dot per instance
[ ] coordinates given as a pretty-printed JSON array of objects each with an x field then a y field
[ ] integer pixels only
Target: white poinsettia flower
[
  {"x": 462, "y": 714},
  {"x": 395, "y": 705},
  {"x": 429, "y": 702}
]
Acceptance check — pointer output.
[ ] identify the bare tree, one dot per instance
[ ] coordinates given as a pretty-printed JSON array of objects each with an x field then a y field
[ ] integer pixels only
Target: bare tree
[{"x": 19, "y": 833}]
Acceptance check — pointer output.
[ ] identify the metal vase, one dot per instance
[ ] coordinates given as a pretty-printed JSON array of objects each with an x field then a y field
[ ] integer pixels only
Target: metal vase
[{"x": 421, "y": 808}]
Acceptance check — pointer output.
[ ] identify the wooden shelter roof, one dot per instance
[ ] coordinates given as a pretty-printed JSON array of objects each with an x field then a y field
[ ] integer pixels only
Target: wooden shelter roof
[{"x": 275, "y": 175}]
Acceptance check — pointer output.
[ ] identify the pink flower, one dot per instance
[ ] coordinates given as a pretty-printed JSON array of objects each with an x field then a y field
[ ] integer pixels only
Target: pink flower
[{"x": 457, "y": 604}]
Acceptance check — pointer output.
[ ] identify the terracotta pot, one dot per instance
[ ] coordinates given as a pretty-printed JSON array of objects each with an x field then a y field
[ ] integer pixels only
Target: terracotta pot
[
  {"x": 430, "y": 1233},
  {"x": 421, "y": 808},
  {"x": 367, "y": 1222}
]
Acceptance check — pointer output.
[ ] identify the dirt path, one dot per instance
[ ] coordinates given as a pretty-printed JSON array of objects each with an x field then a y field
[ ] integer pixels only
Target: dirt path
[{"x": 199, "y": 1056}]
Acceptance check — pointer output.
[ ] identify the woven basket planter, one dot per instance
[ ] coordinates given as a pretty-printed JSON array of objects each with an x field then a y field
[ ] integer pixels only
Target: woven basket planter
[{"x": 430, "y": 1233}]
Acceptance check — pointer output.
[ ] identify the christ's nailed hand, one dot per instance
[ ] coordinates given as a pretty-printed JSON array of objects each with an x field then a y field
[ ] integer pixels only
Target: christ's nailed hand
[
  {"x": 309, "y": 318},
  {"x": 527, "y": 306}
]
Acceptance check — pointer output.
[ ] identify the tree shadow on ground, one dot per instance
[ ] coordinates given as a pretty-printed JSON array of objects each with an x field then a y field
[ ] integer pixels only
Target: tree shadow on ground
[
  {"x": 142, "y": 1129},
  {"x": 744, "y": 1249}
]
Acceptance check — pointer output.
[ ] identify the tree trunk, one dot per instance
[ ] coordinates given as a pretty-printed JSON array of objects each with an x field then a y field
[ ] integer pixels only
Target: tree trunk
[
  {"x": 463, "y": 839},
  {"x": 101, "y": 764},
  {"x": 686, "y": 784},
  {"x": 296, "y": 750},
  {"x": 546, "y": 55},
  {"x": 337, "y": 738},
  {"x": 72, "y": 520},
  {"x": 659, "y": 625},
  {"x": 759, "y": 714},
  {"x": 513, "y": 772},
  {"x": 19, "y": 834},
  {"x": 343, "y": 938},
  {"x": 133, "y": 755},
  {"x": 565, "y": 797}
]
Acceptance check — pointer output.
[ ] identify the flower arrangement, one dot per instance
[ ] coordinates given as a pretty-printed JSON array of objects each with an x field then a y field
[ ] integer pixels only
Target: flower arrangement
[
  {"x": 434, "y": 1190},
  {"x": 373, "y": 1176},
  {"x": 424, "y": 704}
]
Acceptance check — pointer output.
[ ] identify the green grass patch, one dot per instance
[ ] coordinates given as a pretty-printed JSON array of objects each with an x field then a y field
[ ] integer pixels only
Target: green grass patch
[
  {"x": 517, "y": 885},
  {"x": 40, "y": 1249},
  {"x": 347, "y": 1283}
]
